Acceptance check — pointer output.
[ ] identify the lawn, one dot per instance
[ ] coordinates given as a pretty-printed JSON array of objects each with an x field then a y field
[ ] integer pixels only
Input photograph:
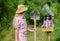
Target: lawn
[{"x": 8, "y": 35}]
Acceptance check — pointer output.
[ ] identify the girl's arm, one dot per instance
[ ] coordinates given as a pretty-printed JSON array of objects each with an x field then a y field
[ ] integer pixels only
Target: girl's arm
[
  {"x": 43, "y": 23},
  {"x": 14, "y": 24},
  {"x": 29, "y": 30},
  {"x": 52, "y": 24}
]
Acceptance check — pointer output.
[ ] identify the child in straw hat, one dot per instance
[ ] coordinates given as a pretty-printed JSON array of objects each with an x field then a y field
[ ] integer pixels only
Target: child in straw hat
[
  {"x": 20, "y": 24},
  {"x": 48, "y": 25}
]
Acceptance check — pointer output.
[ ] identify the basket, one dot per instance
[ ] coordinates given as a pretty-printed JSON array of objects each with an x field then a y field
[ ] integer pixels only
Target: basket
[{"x": 48, "y": 29}]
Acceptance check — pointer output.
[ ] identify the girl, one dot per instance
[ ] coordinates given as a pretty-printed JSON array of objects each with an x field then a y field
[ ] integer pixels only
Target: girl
[
  {"x": 48, "y": 24},
  {"x": 20, "y": 24}
]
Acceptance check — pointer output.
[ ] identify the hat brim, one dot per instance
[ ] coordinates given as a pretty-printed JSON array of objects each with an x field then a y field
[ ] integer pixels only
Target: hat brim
[{"x": 23, "y": 10}]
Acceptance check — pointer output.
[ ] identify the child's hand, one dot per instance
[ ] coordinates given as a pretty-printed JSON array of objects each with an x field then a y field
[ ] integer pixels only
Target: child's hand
[
  {"x": 42, "y": 26},
  {"x": 31, "y": 30},
  {"x": 35, "y": 29}
]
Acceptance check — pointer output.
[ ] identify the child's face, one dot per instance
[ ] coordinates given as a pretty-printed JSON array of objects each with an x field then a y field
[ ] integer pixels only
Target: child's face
[{"x": 47, "y": 17}]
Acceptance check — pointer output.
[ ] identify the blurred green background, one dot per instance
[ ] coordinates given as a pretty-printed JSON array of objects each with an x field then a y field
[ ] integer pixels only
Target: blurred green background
[{"x": 7, "y": 12}]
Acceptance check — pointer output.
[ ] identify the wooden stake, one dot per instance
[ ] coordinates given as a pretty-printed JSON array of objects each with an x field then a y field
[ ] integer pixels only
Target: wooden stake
[{"x": 34, "y": 29}]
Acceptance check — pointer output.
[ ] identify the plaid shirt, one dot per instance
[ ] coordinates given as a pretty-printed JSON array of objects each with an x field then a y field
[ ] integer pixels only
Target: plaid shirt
[{"x": 47, "y": 23}]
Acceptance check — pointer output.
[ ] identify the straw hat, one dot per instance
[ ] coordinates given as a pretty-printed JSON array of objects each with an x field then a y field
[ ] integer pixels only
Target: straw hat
[{"x": 21, "y": 8}]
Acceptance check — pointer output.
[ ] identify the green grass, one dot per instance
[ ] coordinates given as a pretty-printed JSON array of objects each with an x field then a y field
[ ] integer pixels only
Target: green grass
[{"x": 8, "y": 35}]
